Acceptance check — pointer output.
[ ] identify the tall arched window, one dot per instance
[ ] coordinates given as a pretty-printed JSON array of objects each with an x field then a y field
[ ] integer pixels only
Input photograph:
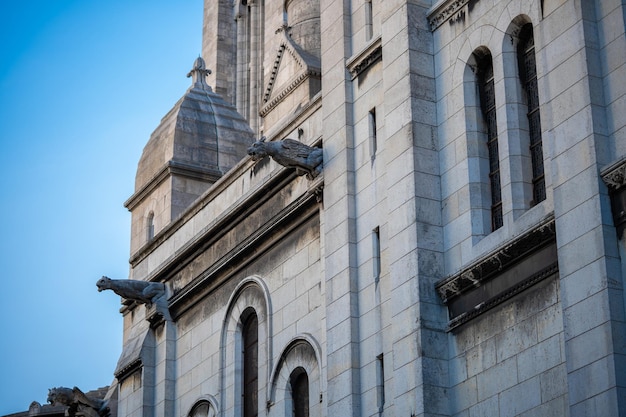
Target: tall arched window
[
  {"x": 484, "y": 74},
  {"x": 250, "y": 339},
  {"x": 299, "y": 382},
  {"x": 528, "y": 78}
]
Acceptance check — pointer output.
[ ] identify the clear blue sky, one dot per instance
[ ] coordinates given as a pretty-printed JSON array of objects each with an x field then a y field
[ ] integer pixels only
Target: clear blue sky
[{"x": 83, "y": 83}]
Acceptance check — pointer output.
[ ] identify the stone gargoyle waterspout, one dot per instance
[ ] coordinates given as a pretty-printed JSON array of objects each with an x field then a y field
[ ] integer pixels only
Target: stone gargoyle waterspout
[
  {"x": 78, "y": 403},
  {"x": 143, "y": 292},
  {"x": 291, "y": 154}
]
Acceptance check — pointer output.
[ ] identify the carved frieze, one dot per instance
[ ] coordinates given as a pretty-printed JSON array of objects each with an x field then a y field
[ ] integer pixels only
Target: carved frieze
[
  {"x": 451, "y": 10},
  {"x": 366, "y": 58},
  {"x": 614, "y": 176},
  {"x": 509, "y": 270}
]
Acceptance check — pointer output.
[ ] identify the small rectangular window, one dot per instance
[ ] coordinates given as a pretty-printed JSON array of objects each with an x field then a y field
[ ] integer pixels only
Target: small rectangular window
[
  {"x": 369, "y": 30},
  {"x": 372, "y": 133},
  {"x": 380, "y": 382},
  {"x": 376, "y": 254}
]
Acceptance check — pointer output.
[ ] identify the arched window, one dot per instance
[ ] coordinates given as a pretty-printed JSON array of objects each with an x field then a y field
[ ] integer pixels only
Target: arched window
[
  {"x": 250, "y": 342},
  {"x": 202, "y": 409},
  {"x": 299, "y": 382},
  {"x": 150, "y": 227},
  {"x": 528, "y": 78},
  {"x": 484, "y": 78}
]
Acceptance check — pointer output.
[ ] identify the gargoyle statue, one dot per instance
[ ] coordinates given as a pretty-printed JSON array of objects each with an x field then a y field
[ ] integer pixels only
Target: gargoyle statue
[
  {"x": 140, "y": 291},
  {"x": 291, "y": 154},
  {"x": 78, "y": 403}
]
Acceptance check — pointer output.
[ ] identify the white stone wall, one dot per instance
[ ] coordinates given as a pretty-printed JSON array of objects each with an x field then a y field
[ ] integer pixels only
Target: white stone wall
[
  {"x": 511, "y": 361},
  {"x": 467, "y": 228},
  {"x": 578, "y": 58},
  {"x": 422, "y": 190}
]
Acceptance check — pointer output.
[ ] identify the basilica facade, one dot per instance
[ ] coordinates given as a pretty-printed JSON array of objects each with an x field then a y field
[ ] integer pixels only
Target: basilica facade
[{"x": 433, "y": 225}]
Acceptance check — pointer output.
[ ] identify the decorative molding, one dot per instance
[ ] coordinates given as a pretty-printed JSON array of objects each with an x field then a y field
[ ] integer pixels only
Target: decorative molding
[
  {"x": 308, "y": 71},
  {"x": 316, "y": 188},
  {"x": 614, "y": 176},
  {"x": 486, "y": 268},
  {"x": 301, "y": 78},
  {"x": 447, "y": 10},
  {"x": 502, "y": 274},
  {"x": 370, "y": 55},
  {"x": 239, "y": 257},
  {"x": 129, "y": 369},
  {"x": 169, "y": 169},
  {"x": 503, "y": 296}
]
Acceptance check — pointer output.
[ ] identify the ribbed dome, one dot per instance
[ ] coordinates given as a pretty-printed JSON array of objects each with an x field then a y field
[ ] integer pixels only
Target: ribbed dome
[
  {"x": 202, "y": 133},
  {"x": 200, "y": 139}
]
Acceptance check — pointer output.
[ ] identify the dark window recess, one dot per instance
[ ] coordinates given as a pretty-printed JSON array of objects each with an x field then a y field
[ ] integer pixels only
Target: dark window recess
[
  {"x": 528, "y": 78},
  {"x": 300, "y": 392},
  {"x": 250, "y": 366},
  {"x": 488, "y": 106}
]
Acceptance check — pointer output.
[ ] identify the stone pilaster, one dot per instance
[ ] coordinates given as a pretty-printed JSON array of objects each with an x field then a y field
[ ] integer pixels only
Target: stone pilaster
[{"x": 342, "y": 308}]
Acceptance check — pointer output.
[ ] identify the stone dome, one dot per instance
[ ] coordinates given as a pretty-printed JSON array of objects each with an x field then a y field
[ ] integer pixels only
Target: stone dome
[{"x": 197, "y": 141}]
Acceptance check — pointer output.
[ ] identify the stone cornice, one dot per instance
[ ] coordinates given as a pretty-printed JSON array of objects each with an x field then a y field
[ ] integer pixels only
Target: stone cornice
[
  {"x": 123, "y": 373},
  {"x": 446, "y": 10},
  {"x": 169, "y": 169},
  {"x": 287, "y": 220},
  {"x": 614, "y": 176},
  {"x": 308, "y": 70},
  {"x": 301, "y": 78},
  {"x": 371, "y": 54},
  {"x": 487, "y": 267}
]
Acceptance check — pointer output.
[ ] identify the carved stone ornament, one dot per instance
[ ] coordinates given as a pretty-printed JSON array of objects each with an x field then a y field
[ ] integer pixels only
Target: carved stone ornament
[
  {"x": 290, "y": 153},
  {"x": 372, "y": 54},
  {"x": 79, "y": 404},
  {"x": 142, "y": 292},
  {"x": 198, "y": 74},
  {"x": 452, "y": 10},
  {"x": 614, "y": 177}
]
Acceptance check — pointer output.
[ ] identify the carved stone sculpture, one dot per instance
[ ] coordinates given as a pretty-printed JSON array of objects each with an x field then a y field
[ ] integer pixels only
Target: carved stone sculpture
[
  {"x": 291, "y": 154},
  {"x": 78, "y": 403},
  {"x": 140, "y": 291}
]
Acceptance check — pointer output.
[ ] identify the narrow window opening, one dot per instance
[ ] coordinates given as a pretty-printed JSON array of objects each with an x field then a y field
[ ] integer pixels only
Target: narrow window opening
[
  {"x": 250, "y": 366},
  {"x": 299, "y": 382},
  {"x": 373, "y": 140},
  {"x": 369, "y": 30},
  {"x": 150, "y": 227},
  {"x": 376, "y": 254},
  {"x": 380, "y": 382},
  {"x": 528, "y": 78},
  {"x": 488, "y": 106}
]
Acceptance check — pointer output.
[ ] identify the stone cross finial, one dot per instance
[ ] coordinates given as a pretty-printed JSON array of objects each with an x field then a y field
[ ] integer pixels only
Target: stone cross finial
[{"x": 198, "y": 74}]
